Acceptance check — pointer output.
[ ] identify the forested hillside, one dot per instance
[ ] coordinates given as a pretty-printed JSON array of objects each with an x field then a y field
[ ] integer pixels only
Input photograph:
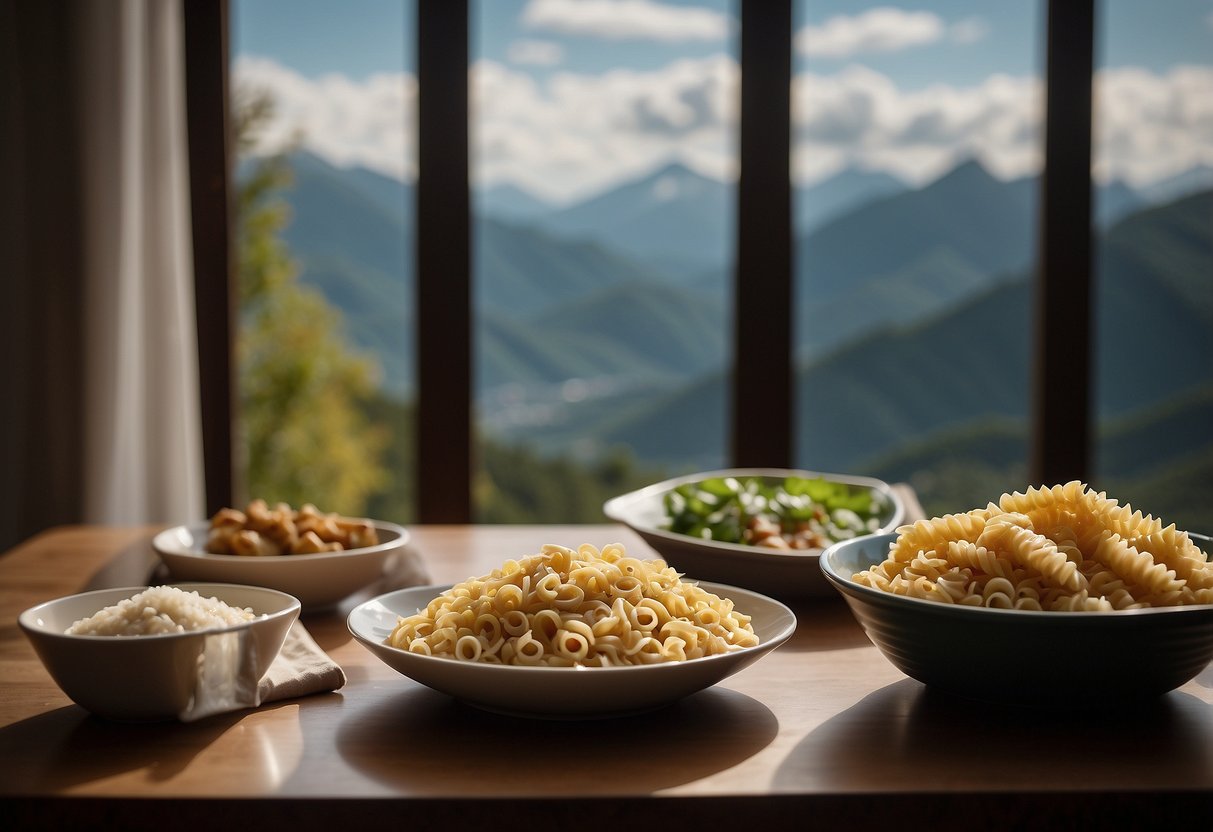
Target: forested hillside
[{"x": 913, "y": 319}]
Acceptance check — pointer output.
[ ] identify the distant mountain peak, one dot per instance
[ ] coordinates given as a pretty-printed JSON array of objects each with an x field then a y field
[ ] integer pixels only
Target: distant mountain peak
[
  {"x": 969, "y": 170},
  {"x": 507, "y": 188},
  {"x": 842, "y": 192},
  {"x": 676, "y": 181},
  {"x": 1196, "y": 178},
  {"x": 303, "y": 155},
  {"x": 666, "y": 188},
  {"x": 853, "y": 174},
  {"x": 676, "y": 168},
  {"x": 672, "y": 180},
  {"x": 510, "y": 201}
]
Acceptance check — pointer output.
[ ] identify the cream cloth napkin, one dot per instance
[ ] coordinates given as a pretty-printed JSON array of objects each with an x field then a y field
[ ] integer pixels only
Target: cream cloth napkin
[
  {"x": 227, "y": 680},
  {"x": 301, "y": 668}
]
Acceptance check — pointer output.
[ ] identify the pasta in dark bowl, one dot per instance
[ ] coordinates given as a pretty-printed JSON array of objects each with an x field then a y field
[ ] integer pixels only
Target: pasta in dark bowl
[{"x": 951, "y": 609}]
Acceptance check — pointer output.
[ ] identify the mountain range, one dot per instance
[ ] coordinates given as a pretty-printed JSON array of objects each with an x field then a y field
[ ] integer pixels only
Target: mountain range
[
  {"x": 970, "y": 364},
  {"x": 912, "y": 308},
  {"x": 351, "y": 231}
]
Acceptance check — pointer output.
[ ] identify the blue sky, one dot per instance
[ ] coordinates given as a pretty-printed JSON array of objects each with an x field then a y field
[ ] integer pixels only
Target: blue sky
[
  {"x": 361, "y": 37},
  {"x": 576, "y": 94},
  {"x": 316, "y": 37}
]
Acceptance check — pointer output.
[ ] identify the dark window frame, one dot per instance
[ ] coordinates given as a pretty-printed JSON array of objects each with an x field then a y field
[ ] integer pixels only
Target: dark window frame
[
  {"x": 443, "y": 266},
  {"x": 209, "y": 134},
  {"x": 762, "y": 347},
  {"x": 762, "y": 428},
  {"x": 1061, "y": 401}
]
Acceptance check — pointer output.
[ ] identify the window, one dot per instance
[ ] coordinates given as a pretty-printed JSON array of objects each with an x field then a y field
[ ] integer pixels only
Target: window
[
  {"x": 323, "y": 100},
  {"x": 603, "y": 165},
  {"x": 946, "y": 98},
  {"x": 1153, "y": 169},
  {"x": 917, "y": 149}
]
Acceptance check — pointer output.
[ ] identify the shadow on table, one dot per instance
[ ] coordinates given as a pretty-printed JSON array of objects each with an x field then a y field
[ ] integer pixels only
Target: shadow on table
[
  {"x": 824, "y": 624},
  {"x": 429, "y": 743},
  {"x": 1205, "y": 679},
  {"x": 69, "y": 747},
  {"x": 133, "y": 566},
  {"x": 908, "y": 737}
]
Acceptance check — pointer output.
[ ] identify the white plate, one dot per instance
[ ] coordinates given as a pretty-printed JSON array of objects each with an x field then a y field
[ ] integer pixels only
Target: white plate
[
  {"x": 785, "y": 574},
  {"x": 317, "y": 580},
  {"x": 564, "y": 692}
]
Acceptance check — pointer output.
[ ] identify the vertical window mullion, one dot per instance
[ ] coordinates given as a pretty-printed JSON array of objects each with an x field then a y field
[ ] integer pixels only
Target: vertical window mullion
[
  {"x": 208, "y": 128},
  {"x": 443, "y": 240},
  {"x": 763, "y": 384},
  {"x": 1063, "y": 344}
]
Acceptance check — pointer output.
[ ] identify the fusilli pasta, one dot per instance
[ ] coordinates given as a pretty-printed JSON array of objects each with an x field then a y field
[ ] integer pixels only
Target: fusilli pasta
[{"x": 1064, "y": 548}]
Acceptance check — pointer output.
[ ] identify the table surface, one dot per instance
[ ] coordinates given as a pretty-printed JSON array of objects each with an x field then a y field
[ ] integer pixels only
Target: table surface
[{"x": 824, "y": 724}]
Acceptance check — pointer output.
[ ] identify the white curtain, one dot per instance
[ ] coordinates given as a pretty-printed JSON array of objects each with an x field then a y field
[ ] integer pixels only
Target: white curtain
[{"x": 142, "y": 430}]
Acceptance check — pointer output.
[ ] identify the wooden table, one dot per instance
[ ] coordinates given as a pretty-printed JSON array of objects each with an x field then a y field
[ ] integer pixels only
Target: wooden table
[{"x": 824, "y": 728}]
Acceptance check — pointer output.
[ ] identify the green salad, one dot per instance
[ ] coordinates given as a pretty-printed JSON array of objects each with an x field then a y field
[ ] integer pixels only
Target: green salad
[{"x": 788, "y": 513}]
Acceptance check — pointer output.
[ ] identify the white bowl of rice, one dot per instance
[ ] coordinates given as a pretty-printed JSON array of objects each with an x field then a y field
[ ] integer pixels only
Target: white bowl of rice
[{"x": 151, "y": 653}]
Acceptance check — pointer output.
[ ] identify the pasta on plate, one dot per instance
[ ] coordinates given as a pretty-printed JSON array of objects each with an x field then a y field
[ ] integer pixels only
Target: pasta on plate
[
  {"x": 1060, "y": 548},
  {"x": 570, "y": 608}
]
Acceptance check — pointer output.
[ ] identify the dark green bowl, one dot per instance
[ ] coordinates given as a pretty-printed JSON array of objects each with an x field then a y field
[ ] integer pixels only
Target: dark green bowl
[{"x": 1021, "y": 655}]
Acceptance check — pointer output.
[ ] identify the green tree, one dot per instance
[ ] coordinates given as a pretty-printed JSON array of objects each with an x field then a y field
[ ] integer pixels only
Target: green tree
[{"x": 303, "y": 389}]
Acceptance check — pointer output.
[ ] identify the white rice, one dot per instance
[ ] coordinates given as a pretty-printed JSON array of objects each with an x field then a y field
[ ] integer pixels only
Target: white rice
[{"x": 160, "y": 609}]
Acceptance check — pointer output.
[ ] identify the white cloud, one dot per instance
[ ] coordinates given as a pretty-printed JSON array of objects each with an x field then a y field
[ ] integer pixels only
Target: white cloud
[
  {"x": 969, "y": 30},
  {"x": 575, "y": 133},
  {"x": 883, "y": 29},
  {"x": 1150, "y": 126},
  {"x": 860, "y": 117},
  {"x": 626, "y": 19},
  {"x": 535, "y": 53},
  {"x": 1147, "y": 125},
  {"x": 368, "y": 123}
]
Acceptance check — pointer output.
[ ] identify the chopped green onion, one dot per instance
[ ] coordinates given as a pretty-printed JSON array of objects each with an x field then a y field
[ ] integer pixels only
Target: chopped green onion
[{"x": 727, "y": 508}]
